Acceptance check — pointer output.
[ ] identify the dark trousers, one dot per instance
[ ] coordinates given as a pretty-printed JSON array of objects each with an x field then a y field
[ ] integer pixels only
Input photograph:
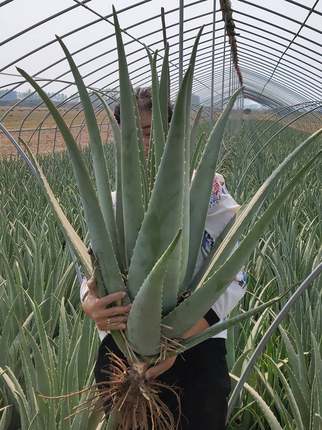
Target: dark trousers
[{"x": 202, "y": 381}]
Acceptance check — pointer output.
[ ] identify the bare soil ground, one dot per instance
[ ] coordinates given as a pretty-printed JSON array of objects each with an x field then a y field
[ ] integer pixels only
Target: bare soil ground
[
  {"x": 308, "y": 123},
  {"x": 38, "y": 130}
]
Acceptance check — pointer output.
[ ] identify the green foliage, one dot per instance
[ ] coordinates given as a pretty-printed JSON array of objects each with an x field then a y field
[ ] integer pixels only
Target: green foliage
[{"x": 52, "y": 349}]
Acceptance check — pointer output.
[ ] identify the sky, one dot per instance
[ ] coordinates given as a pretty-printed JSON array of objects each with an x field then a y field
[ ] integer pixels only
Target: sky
[{"x": 20, "y": 14}]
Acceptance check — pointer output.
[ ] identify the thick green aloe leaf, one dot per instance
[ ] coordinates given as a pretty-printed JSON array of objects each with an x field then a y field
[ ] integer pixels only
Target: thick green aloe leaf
[
  {"x": 69, "y": 232},
  {"x": 164, "y": 214},
  {"x": 202, "y": 184},
  {"x": 133, "y": 203},
  {"x": 224, "y": 325},
  {"x": 97, "y": 153},
  {"x": 151, "y": 165},
  {"x": 100, "y": 239},
  {"x": 143, "y": 167},
  {"x": 194, "y": 131},
  {"x": 197, "y": 153},
  {"x": 144, "y": 321},
  {"x": 164, "y": 90},
  {"x": 193, "y": 308},
  {"x": 119, "y": 205},
  {"x": 192, "y": 63},
  {"x": 186, "y": 222},
  {"x": 157, "y": 124},
  {"x": 247, "y": 212}
]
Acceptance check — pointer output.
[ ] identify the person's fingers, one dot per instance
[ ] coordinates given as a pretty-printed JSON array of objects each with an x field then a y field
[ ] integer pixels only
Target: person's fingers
[
  {"x": 91, "y": 284},
  {"x": 158, "y": 369},
  {"x": 112, "y": 327},
  {"x": 115, "y": 323},
  {"x": 113, "y": 320},
  {"x": 110, "y": 312},
  {"x": 155, "y": 371},
  {"x": 111, "y": 298}
]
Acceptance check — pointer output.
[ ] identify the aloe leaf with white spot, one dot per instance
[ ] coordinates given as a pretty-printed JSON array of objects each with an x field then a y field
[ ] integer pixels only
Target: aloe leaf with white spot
[
  {"x": 194, "y": 131},
  {"x": 100, "y": 239},
  {"x": 164, "y": 90},
  {"x": 185, "y": 315},
  {"x": 202, "y": 184},
  {"x": 97, "y": 153},
  {"x": 248, "y": 211},
  {"x": 157, "y": 123},
  {"x": 144, "y": 337},
  {"x": 132, "y": 193},
  {"x": 163, "y": 217},
  {"x": 117, "y": 140}
]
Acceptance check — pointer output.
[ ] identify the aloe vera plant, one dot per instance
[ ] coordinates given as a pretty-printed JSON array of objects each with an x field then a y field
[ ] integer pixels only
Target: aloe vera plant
[{"x": 149, "y": 248}]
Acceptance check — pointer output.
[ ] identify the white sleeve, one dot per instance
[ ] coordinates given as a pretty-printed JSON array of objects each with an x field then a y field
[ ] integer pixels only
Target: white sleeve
[
  {"x": 222, "y": 208},
  {"x": 232, "y": 296}
]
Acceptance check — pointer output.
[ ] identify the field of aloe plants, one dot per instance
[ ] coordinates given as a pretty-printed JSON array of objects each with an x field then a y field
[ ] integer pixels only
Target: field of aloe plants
[{"x": 48, "y": 347}]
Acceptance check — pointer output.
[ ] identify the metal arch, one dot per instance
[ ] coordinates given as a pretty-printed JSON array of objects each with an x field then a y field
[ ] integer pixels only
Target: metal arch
[
  {"x": 275, "y": 83},
  {"x": 281, "y": 74},
  {"x": 260, "y": 58},
  {"x": 281, "y": 44},
  {"x": 267, "y": 62},
  {"x": 39, "y": 23},
  {"x": 241, "y": 57},
  {"x": 116, "y": 80},
  {"x": 105, "y": 53},
  {"x": 281, "y": 15},
  {"x": 45, "y": 45},
  {"x": 3, "y": 3},
  {"x": 303, "y": 24},
  {"x": 274, "y": 49},
  {"x": 271, "y": 24},
  {"x": 102, "y": 66},
  {"x": 247, "y": 24},
  {"x": 97, "y": 41},
  {"x": 250, "y": 48},
  {"x": 287, "y": 72}
]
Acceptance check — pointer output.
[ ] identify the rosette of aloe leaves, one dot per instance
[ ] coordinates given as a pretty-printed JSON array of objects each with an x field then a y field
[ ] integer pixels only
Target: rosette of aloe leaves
[{"x": 148, "y": 245}]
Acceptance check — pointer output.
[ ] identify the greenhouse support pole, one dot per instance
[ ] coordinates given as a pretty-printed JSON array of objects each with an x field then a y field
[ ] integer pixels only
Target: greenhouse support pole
[
  {"x": 213, "y": 63},
  {"x": 181, "y": 8}
]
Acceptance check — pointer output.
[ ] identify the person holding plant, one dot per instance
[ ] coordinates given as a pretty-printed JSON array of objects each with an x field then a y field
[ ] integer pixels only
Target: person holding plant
[{"x": 199, "y": 375}]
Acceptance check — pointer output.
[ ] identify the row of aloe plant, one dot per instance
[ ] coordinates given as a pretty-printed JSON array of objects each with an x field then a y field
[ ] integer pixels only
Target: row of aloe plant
[
  {"x": 120, "y": 243},
  {"x": 282, "y": 392},
  {"x": 295, "y": 234}
]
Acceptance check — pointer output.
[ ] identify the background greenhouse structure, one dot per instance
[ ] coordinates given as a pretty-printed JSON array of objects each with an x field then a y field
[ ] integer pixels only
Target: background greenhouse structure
[{"x": 270, "y": 49}]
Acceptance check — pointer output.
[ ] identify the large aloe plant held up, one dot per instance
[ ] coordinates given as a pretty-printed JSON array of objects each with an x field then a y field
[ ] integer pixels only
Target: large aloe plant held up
[{"x": 150, "y": 248}]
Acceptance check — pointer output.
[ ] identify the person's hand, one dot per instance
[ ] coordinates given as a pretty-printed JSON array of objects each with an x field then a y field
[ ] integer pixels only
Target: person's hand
[
  {"x": 106, "y": 318},
  {"x": 158, "y": 369},
  {"x": 163, "y": 366}
]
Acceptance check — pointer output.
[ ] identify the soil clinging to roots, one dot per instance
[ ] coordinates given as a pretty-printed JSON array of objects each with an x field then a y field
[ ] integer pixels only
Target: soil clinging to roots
[{"x": 136, "y": 400}]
